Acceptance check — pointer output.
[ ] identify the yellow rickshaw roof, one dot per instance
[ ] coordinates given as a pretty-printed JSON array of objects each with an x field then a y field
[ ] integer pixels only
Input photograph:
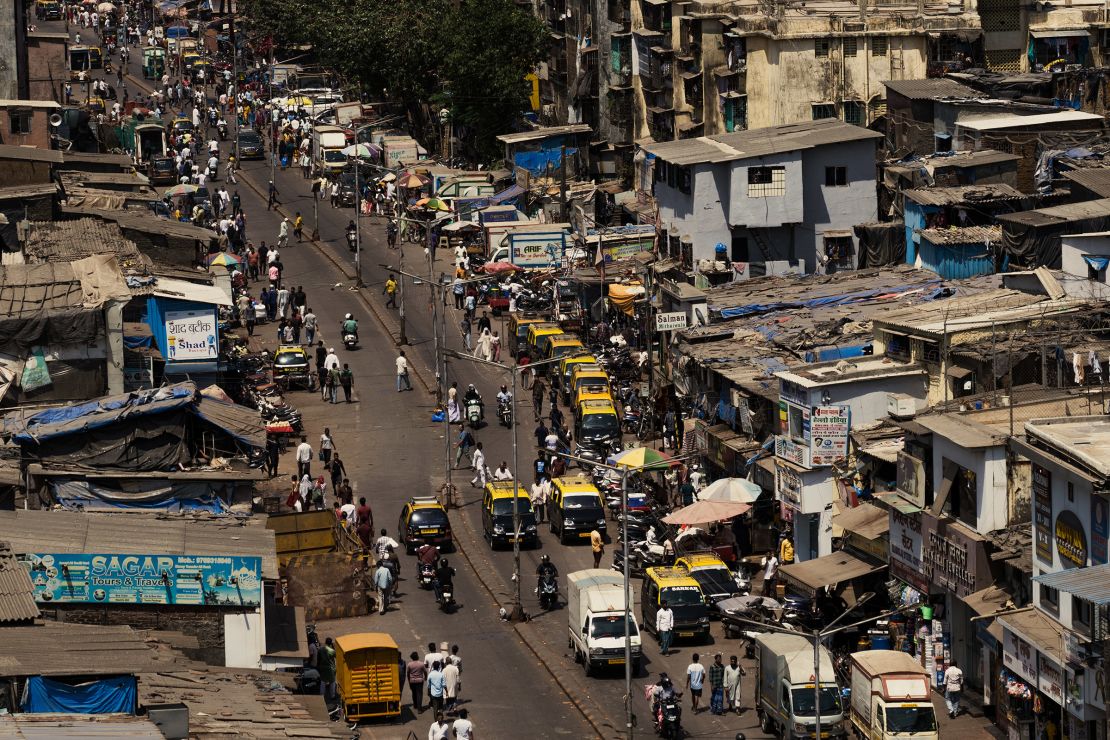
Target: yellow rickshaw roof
[{"x": 365, "y": 641}]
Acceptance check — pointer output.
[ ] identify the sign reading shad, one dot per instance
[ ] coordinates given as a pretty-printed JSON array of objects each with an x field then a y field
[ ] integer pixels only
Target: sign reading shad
[{"x": 201, "y": 580}]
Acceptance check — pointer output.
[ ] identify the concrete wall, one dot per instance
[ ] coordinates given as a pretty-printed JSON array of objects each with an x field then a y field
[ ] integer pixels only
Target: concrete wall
[
  {"x": 46, "y": 68},
  {"x": 9, "y": 63},
  {"x": 868, "y": 398},
  {"x": 700, "y": 215},
  {"x": 766, "y": 211},
  {"x": 40, "y": 128},
  {"x": 839, "y": 207},
  {"x": 1072, "y": 249},
  {"x": 989, "y": 466}
]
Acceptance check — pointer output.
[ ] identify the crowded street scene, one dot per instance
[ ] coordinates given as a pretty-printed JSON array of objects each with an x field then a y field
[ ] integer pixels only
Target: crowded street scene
[{"x": 663, "y": 369}]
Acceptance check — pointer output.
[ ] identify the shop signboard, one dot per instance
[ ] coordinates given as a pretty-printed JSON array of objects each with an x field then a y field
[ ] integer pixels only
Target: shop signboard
[
  {"x": 670, "y": 321},
  {"x": 191, "y": 335},
  {"x": 1100, "y": 528},
  {"x": 196, "y": 580},
  {"x": 1019, "y": 656},
  {"x": 1073, "y": 691},
  {"x": 1050, "y": 678},
  {"x": 954, "y": 557},
  {"x": 906, "y": 545},
  {"x": 828, "y": 434},
  {"x": 788, "y": 485},
  {"x": 1071, "y": 540},
  {"x": 1042, "y": 512},
  {"x": 787, "y": 449},
  {"x": 911, "y": 479}
]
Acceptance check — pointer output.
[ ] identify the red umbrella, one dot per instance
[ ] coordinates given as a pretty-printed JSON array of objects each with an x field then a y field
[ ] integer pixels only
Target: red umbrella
[{"x": 494, "y": 268}]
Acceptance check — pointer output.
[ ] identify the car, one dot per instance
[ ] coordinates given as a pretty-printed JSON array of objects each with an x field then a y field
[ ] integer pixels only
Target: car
[
  {"x": 423, "y": 520},
  {"x": 250, "y": 146},
  {"x": 292, "y": 367},
  {"x": 498, "y": 505},
  {"x": 717, "y": 582}
]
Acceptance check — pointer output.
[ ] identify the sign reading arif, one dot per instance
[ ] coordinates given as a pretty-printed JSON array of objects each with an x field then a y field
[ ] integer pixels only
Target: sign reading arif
[
  {"x": 201, "y": 580},
  {"x": 191, "y": 335}
]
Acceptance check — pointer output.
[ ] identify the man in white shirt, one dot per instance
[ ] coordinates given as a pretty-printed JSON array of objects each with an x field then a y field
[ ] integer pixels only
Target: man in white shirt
[
  {"x": 432, "y": 657},
  {"x": 953, "y": 689},
  {"x": 695, "y": 679},
  {"x": 403, "y": 373},
  {"x": 770, "y": 572},
  {"x": 463, "y": 727},
  {"x": 664, "y": 626},
  {"x": 439, "y": 730},
  {"x": 503, "y": 472},
  {"x": 479, "y": 460},
  {"x": 332, "y": 359},
  {"x": 352, "y": 514},
  {"x": 304, "y": 458}
]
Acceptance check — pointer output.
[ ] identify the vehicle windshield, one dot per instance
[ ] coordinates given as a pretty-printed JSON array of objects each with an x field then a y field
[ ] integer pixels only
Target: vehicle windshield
[
  {"x": 334, "y": 155},
  {"x": 911, "y": 719},
  {"x": 611, "y": 627},
  {"x": 582, "y": 501},
  {"x": 250, "y": 139},
  {"x": 719, "y": 579},
  {"x": 681, "y": 595},
  {"x": 601, "y": 425},
  {"x": 428, "y": 518},
  {"x": 803, "y": 701},
  {"x": 504, "y": 506},
  {"x": 163, "y": 165},
  {"x": 290, "y": 358}
]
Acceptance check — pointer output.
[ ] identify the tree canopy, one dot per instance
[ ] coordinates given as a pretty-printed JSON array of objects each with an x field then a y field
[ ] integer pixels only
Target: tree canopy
[{"x": 470, "y": 57}]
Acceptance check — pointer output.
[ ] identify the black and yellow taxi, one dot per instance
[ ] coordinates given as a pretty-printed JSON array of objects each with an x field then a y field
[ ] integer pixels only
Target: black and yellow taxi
[
  {"x": 539, "y": 335},
  {"x": 596, "y": 423},
  {"x": 423, "y": 520},
  {"x": 518, "y": 330},
  {"x": 717, "y": 582},
  {"x": 683, "y": 595},
  {"x": 575, "y": 508},
  {"x": 564, "y": 345},
  {"x": 291, "y": 367},
  {"x": 498, "y": 505},
  {"x": 566, "y": 368}
]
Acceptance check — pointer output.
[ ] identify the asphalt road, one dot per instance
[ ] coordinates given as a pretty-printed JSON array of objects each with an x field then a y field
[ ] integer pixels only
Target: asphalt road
[{"x": 393, "y": 451}]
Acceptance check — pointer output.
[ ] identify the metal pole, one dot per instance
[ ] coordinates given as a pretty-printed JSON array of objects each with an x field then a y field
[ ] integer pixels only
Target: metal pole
[
  {"x": 403, "y": 338},
  {"x": 627, "y": 612},
  {"x": 235, "y": 84},
  {"x": 448, "y": 493},
  {"x": 817, "y": 681},
  {"x": 516, "y": 508},
  {"x": 358, "y": 230},
  {"x": 273, "y": 120}
]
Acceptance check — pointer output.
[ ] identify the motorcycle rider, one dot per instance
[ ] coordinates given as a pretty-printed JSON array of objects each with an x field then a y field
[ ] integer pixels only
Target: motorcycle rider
[
  {"x": 352, "y": 234},
  {"x": 546, "y": 569},
  {"x": 663, "y": 691},
  {"x": 426, "y": 557},
  {"x": 504, "y": 398},
  {"x": 350, "y": 326},
  {"x": 472, "y": 395},
  {"x": 444, "y": 579}
]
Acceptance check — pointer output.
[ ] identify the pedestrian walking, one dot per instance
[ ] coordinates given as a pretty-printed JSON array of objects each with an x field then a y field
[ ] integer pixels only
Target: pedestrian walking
[
  {"x": 470, "y": 304},
  {"x": 464, "y": 446},
  {"x": 403, "y": 372},
  {"x": 464, "y": 327},
  {"x": 437, "y": 685},
  {"x": 325, "y": 664},
  {"x": 458, "y": 290},
  {"x": 664, "y": 627},
  {"x": 733, "y": 673},
  {"x": 283, "y": 233},
  {"x": 953, "y": 689},
  {"x": 383, "y": 582},
  {"x": 346, "y": 382},
  {"x": 304, "y": 457},
  {"x": 770, "y": 573},
  {"x": 365, "y": 523},
  {"x": 439, "y": 730},
  {"x": 598, "y": 546},
  {"x": 479, "y": 462},
  {"x": 450, "y": 685},
  {"x": 321, "y": 357},
  {"x": 272, "y": 197},
  {"x": 298, "y": 226},
  {"x": 416, "y": 674},
  {"x": 538, "y": 389},
  {"x": 272, "y": 452},
  {"x": 333, "y": 385},
  {"x": 390, "y": 291},
  {"x": 463, "y": 727},
  {"x": 310, "y": 322},
  {"x": 327, "y": 446},
  {"x": 717, "y": 686},
  {"x": 695, "y": 679}
]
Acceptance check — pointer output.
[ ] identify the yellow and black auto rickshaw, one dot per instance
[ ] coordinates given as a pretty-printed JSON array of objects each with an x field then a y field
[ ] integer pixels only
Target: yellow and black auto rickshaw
[{"x": 368, "y": 675}]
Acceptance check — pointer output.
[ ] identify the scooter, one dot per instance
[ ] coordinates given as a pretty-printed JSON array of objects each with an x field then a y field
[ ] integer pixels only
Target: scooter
[
  {"x": 549, "y": 593},
  {"x": 474, "y": 412},
  {"x": 351, "y": 240},
  {"x": 350, "y": 340},
  {"x": 427, "y": 575},
  {"x": 446, "y": 599},
  {"x": 222, "y": 128},
  {"x": 505, "y": 412}
]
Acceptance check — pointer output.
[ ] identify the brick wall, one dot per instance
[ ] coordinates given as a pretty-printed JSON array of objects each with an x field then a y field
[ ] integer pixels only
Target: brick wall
[
  {"x": 204, "y": 623},
  {"x": 39, "y": 134},
  {"x": 46, "y": 68}
]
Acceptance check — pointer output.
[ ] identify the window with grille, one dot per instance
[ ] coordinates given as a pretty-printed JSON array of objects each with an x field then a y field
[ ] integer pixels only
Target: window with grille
[
  {"x": 850, "y": 46},
  {"x": 821, "y": 47},
  {"x": 764, "y": 182},
  {"x": 836, "y": 176},
  {"x": 878, "y": 46},
  {"x": 853, "y": 112},
  {"x": 824, "y": 110},
  {"x": 20, "y": 119}
]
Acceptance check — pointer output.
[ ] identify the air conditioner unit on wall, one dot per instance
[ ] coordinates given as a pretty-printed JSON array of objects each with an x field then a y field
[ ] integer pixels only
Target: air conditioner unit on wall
[{"x": 901, "y": 406}]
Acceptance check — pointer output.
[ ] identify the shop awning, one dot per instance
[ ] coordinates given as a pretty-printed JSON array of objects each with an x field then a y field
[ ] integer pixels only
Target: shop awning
[
  {"x": 988, "y": 601},
  {"x": 866, "y": 520},
  {"x": 1042, "y": 632},
  {"x": 838, "y": 567},
  {"x": 899, "y": 504},
  {"x": 1090, "y": 584},
  {"x": 1060, "y": 34}
]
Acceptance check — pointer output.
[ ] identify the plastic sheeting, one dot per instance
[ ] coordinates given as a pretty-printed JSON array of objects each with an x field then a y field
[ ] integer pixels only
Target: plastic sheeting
[
  {"x": 881, "y": 244},
  {"x": 86, "y": 417},
  {"x": 541, "y": 161},
  {"x": 115, "y": 695},
  {"x": 624, "y": 297},
  {"x": 1030, "y": 247},
  {"x": 173, "y": 496},
  {"x": 893, "y": 291}
]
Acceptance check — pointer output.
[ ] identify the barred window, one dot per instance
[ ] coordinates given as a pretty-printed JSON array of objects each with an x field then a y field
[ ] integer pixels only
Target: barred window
[{"x": 764, "y": 182}]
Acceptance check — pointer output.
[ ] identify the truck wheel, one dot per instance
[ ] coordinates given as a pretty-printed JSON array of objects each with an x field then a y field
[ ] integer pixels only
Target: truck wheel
[
  {"x": 766, "y": 724},
  {"x": 586, "y": 667}
]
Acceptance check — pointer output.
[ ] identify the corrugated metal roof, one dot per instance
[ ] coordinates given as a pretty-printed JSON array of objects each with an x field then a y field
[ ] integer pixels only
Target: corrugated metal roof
[
  {"x": 965, "y": 235},
  {"x": 1091, "y": 584},
  {"x": 1016, "y": 121},
  {"x": 1059, "y": 214},
  {"x": 30, "y": 153},
  {"x": 545, "y": 132},
  {"x": 1095, "y": 179},
  {"x": 74, "y": 239},
  {"x": 70, "y": 649},
  {"x": 951, "y": 196},
  {"x": 937, "y": 87},
  {"x": 759, "y": 142},
  {"x": 34, "y": 531},
  {"x": 77, "y": 727},
  {"x": 17, "y": 600}
]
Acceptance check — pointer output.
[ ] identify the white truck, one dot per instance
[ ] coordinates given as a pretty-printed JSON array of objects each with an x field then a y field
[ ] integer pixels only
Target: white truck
[
  {"x": 328, "y": 143},
  {"x": 596, "y": 607},
  {"x": 787, "y": 692},
  {"x": 890, "y": 697}
]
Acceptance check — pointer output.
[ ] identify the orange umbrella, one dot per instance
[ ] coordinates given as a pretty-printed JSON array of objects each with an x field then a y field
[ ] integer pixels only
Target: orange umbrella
[
  {"x": 703, "y": 512},
  {"x": 412, "y": 181}
]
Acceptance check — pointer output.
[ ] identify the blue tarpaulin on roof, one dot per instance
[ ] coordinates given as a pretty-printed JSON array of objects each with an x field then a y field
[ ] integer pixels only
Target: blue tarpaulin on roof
[
  {"x": 1098, "y": 263},
  {"x": 510, "y": 193},
  {"x": 115, "y": 695},
  {"x": 67, "y": 420},
  {"x": 838, "y": 353},
  {"x": 841, "y": 299},
  {"x": 538, "y": 162}
]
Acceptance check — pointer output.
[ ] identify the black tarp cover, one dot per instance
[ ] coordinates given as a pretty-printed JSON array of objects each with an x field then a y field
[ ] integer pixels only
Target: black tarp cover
[
  {"x": 881, "y": 244},
  {"x": 1029, "y": 246}
]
